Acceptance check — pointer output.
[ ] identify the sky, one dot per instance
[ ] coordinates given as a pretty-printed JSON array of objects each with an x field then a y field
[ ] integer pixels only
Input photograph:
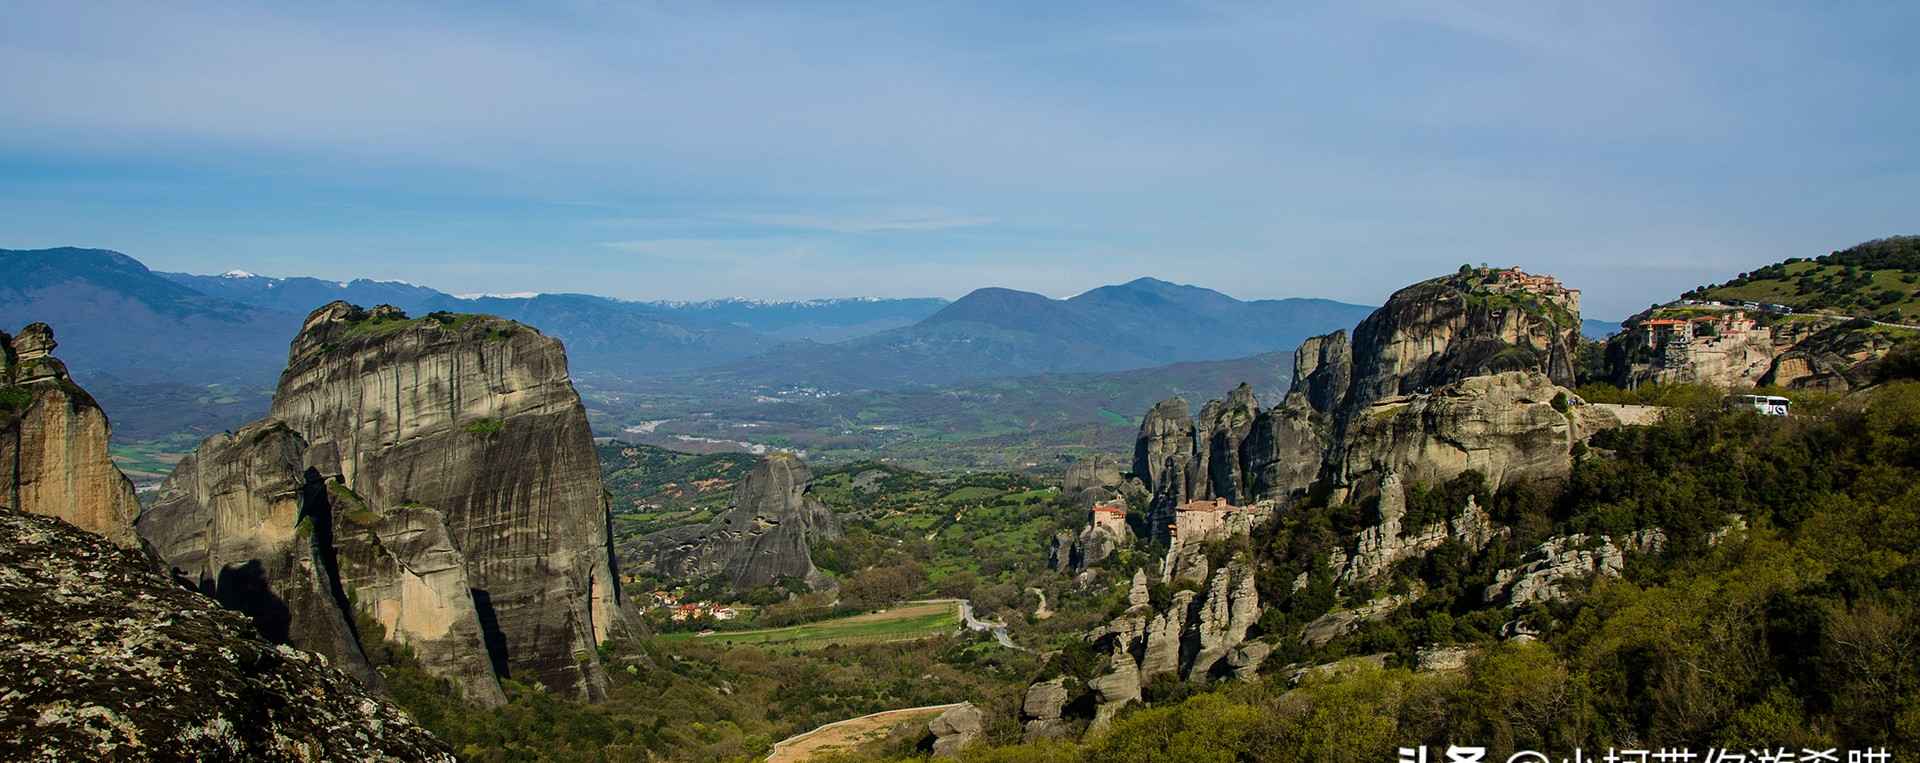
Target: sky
[{"x": 797, "y": 150}]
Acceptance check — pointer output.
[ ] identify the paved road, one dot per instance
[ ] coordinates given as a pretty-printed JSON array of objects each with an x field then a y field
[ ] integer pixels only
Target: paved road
[{"x": 975, "y": 624}]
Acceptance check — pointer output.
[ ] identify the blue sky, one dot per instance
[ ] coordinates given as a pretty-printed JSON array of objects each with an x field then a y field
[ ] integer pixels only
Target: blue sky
[{"x": 788, "y": 150}]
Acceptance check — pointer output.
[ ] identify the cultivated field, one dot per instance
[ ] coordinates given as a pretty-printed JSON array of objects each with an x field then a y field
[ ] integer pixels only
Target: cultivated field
[{"x": 906, "y": 622}]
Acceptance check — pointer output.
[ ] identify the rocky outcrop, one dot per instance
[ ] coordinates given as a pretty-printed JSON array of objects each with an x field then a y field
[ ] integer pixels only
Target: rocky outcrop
[
  {"x": 473, "y": 523},
  {"x": 1043, "y": 710},
  {"x": 1507, "y": 426},
  {"x": 1728, "y": 347},
  {"x": 1190, "y": 638},
  {"x": 764, "y": 536},
  {"x": 956, "y": 729},
  {"x": 1473, "y": 323},
  {"x": 53, "y": 443},
  {"x": 1386, "y": 543},
  {"x": 1341, "y": 622},
  {"x": 107, "y": 659},
  {"x": 1552, "y": 566},
  {"x": 1166, "y": 432},
  {"x": 241, "y": 520}
]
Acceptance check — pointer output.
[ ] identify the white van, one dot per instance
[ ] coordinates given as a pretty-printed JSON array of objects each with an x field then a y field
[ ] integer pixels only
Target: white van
[{"x": 1765, "y": 405}]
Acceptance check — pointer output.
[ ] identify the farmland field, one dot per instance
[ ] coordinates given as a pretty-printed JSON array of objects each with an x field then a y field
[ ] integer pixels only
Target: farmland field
[{"x": 902, "y": 623}]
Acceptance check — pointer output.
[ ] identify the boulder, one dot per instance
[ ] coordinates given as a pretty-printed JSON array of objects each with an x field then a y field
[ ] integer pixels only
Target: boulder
[
  {"x": 956, "y": 729},
  {"x": 1043, "y": 710}
]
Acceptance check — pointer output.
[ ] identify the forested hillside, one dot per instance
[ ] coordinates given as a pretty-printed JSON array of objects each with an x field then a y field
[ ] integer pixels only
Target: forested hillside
[
  {"x": 1878, "y": 279},
  {"x": 1796, "y": 631}
]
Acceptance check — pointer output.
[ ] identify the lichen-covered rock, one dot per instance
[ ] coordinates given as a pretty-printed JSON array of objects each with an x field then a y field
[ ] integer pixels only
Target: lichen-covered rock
[
  {"x": 53, "y": 443},
  {"x": 106, "y": 658},
  {"x": 765, "y": 535},
  {"x": 242, "y": 520}
]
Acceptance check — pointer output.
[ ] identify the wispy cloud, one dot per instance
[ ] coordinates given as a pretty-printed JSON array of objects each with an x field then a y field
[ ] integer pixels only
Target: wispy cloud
[{"x": 868, "y": 224}]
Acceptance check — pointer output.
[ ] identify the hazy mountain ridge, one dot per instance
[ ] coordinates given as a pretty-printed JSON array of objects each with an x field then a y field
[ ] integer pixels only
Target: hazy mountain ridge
[{"x": 998, "y": 332}]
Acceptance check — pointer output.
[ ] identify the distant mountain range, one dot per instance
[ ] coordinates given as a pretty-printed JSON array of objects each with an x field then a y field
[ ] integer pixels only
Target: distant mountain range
[
  {"x": 997, "y": 332},
  {"x": 141, "y": 334}
]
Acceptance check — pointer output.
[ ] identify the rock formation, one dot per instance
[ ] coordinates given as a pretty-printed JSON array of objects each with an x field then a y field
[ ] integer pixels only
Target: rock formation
[
  {"x": 53, "y": 443},
  {"x": 448, "y": 467},
  {"x": 1099, "y": 473},
  {"x": 1560, "y": 560},
  {"x": 1191, "y": 638},
  {"x": 241, "y": 520},
  {"x": 1467, "y": 371},
  {"x": 1731, "y": 348},
  {"x": 765, "y": 535},
  {"x": 108, "y": 659},
  {"x": 956, "y": 729},
  {"x": 1044, "y": 708},
  {"x": 1386, "y": 543}
]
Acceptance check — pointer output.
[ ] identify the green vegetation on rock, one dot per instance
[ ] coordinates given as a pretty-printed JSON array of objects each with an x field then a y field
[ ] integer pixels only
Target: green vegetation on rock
[{"x": 1880, "y": 279}]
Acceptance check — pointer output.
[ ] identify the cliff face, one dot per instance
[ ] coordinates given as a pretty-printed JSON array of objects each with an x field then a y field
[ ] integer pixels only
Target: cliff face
[
  {"x": 108, "y": 659},
  {"x": 475, "y": 418},
  {"x": 451, "y": 479},
  {"x": 1454, "y": 373},
  {"x": 1442, "y": 330},
  {"x": 53, "y": 443},
  {"x": 765, "y": 535},
  {"x": 240, "y": 520}
]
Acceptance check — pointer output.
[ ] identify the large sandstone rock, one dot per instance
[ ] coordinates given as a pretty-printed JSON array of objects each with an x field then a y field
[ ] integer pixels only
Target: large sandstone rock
[
  {"x": 475, "y": 491},
  {"x": 241, "y": 520},
  {"x": 1446, "y": 329},
  {"x": 765, "y": 535},
  {"x": 106, "y": 658},
  {"x": 1043, "y": 710},
  {"x": 1165, "y": 432},
  {"x": 1505, "y": 426},
  {"x": 53, "y": 443}
]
